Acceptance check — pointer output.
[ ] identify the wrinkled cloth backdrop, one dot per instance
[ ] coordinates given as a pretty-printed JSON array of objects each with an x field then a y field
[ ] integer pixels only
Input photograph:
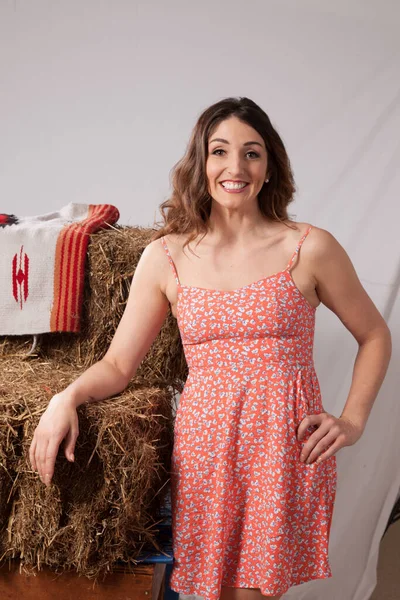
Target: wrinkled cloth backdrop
[{"x": 98, "y": 100}]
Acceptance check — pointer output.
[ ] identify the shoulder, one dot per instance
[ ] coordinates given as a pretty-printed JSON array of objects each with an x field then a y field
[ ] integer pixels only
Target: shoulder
[
  {"x": 153, "y": 248},
  {"x": 153, "y": 265},
  {"x": 321, "y": 252},
  {"x": 338, "y": 285},
  {"x": 175, "y": 243},
  {"x": 154, "y": 257},
  {"x": 171, "y": 241},
  {"x": 322, "y": 245},
  {"x": 314, "y": 233},
  {"x": 328, "y": 262},
  {"x": 176, "y": 239},
  {"x": 295, "y": 233}
]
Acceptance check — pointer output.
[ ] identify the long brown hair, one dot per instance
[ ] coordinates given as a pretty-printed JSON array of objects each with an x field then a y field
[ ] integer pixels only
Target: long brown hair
[{"x": 187, "y": 211}]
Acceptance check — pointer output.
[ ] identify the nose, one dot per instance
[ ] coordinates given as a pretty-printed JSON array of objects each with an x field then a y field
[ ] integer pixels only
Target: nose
[{"x": 235, "y": 165}]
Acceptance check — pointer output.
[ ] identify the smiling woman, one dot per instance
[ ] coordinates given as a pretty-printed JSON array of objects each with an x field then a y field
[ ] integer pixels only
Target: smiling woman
[{"x": 253, "y": 477}]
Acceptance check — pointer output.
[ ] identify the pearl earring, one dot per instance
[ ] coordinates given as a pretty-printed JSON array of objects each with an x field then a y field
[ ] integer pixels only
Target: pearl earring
[{"x": 266, "y": 181}]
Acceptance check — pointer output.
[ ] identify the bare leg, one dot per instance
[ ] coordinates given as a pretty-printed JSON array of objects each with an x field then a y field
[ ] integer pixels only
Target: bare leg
[{"x": 232, "y": 593}]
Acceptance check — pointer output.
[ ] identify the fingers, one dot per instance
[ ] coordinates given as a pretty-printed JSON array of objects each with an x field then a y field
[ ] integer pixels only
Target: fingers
[
  {"x": 318, "y": 440},
  {"x": 324, "y": 442},
  {"x": 57, "y": 423},
  {"x": 41, "y": 458},
  {"x": 321, "y": 447},
  {"x": 69, "y": 445},
  {"x": 308, "y": 421},
  {"x": 32, "y": 450},
  {"x": 42, "y": 455},
  {"x": 49, "y": 461},
  {"x": 330, "y": 451}
]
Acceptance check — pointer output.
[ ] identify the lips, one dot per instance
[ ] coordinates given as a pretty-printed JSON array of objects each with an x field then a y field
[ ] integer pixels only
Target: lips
[{"x": 234, "y": 188}]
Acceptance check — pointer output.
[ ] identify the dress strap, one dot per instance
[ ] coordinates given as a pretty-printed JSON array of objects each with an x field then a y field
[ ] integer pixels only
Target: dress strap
[
  {"x": 171, "y": 262},
  {"x": 295, "y": 253}
]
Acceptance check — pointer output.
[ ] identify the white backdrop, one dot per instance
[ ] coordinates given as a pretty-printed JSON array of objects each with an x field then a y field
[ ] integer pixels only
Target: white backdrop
[{"x": 97, "y": 101}]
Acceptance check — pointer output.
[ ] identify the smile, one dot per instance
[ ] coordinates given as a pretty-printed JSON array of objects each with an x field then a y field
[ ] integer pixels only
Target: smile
[{"x": 233, "y": 187}]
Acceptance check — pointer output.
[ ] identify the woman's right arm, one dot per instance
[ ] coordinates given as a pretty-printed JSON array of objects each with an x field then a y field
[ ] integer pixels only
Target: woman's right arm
[{"x": 143, "y": 317}]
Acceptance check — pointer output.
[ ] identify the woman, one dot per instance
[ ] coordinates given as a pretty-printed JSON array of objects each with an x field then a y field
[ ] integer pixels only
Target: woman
[{"x": 253, "y": 475}]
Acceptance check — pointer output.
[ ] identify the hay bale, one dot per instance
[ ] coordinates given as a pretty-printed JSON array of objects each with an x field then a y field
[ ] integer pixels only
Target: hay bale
[
  {"x": 104, "y": 507},
  {"x": 10, "y": 449},
  {"x": 113, "y": 254},
  {"x": 112, "y": 259}
]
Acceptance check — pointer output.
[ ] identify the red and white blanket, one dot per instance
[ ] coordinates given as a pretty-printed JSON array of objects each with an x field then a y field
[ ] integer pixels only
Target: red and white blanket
[{"x": 42, "y": 267}]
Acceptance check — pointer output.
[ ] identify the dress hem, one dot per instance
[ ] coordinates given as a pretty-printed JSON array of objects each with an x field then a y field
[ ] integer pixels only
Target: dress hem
[{"x": 189, "y": 591}]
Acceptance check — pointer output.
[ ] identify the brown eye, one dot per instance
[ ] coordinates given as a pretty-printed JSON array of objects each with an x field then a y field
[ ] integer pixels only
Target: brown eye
[{"x": 217, "y": 150}]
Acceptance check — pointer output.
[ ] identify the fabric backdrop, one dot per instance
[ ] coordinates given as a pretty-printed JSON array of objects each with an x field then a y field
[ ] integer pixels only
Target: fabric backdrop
[{"x": 97, "y": 103}]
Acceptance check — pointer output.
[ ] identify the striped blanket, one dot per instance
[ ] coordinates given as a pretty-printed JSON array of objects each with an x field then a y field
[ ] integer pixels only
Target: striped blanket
[{"x": 42, "y": 267}]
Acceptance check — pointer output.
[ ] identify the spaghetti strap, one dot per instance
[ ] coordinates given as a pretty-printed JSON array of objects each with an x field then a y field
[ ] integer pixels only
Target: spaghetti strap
[
  {"x": 295, "y": 253},
  {"x": 171, "y": 262}
]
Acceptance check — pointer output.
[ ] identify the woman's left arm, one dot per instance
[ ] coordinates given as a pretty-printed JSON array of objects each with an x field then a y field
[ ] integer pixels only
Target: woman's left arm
[{"x": 339, "y": 288}]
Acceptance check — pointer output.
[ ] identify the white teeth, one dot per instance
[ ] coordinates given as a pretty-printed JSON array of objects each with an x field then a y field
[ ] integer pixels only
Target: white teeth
[{"x": 233, "y": 186}]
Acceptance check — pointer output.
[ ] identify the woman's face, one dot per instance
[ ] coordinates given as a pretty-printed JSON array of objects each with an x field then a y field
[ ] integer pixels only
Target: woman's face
[{"x": 236, "y": 165}]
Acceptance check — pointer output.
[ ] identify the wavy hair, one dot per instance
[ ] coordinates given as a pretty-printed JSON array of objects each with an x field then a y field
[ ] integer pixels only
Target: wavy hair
[{"x": 188, "y": 209}]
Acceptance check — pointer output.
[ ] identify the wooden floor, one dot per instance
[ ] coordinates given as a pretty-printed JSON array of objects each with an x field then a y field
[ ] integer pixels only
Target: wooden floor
[{"x": 145, "y": 582}]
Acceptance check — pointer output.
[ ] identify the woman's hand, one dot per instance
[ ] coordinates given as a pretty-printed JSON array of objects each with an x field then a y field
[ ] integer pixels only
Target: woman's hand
[
  {"x": 58, "y": 422},
  {"x": 330, "y": 435}
]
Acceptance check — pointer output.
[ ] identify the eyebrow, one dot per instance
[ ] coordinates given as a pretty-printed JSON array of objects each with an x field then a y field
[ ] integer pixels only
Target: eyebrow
[{"x": 222, "y": 141}]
